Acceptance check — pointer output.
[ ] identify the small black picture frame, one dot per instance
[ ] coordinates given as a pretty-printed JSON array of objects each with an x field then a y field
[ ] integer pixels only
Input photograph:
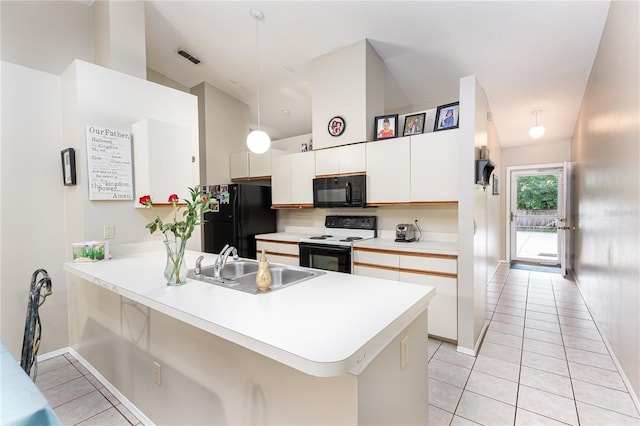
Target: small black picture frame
[
  {"x": 447, "y": 117},
  {"x": 68, "y": 158},
  {"x": 386, "y": 127},
  {"x": 414, "y": 124}
]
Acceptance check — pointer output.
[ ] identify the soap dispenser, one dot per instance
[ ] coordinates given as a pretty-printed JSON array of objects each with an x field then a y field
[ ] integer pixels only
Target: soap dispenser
[{"x": 263, "y": 277}]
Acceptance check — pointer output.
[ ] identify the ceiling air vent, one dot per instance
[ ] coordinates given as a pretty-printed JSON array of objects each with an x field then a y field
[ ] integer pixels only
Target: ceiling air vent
[{"x": 188, "y": 56}]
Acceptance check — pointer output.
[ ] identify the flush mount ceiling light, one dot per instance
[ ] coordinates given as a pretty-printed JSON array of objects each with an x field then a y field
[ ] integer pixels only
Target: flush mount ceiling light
[
  {"x": 258, "y": 141},
  {"x": 538, "y": 130}
]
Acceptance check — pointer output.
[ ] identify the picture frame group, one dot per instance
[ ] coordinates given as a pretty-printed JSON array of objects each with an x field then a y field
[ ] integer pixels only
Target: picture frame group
[{"x": 446, "y": 117}]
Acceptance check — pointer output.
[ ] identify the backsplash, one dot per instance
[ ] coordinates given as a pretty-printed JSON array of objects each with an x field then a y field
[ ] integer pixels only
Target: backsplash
[{"x": 439, "y": 222}]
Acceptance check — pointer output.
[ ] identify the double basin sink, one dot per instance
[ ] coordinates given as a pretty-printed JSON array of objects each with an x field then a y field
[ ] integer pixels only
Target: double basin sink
[{"x": 241, "y": 275}]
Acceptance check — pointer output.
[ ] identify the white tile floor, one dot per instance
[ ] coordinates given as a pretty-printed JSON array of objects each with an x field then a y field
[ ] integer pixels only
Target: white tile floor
[
  {"x": 542, "y": 362},
  {"x": 77, "y": 397}
]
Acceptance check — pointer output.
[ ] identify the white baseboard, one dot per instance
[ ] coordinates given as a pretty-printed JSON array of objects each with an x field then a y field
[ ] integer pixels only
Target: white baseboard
[{"x": 123, "y": 399}]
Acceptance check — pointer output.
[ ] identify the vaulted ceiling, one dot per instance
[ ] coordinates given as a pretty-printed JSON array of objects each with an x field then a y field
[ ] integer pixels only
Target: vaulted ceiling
[{"x": 526, "y": 55}]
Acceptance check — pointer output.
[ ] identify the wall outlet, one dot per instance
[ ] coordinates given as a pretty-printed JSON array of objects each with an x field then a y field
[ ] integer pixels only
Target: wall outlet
[
  {"x": 404, "y": 351},
  {"x": 157, "y": 373},
  {"x": 109, "y": 232}
]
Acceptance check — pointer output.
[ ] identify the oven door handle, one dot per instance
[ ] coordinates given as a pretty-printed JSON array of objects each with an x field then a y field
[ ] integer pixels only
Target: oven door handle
[{"x": 325, "y": 247}]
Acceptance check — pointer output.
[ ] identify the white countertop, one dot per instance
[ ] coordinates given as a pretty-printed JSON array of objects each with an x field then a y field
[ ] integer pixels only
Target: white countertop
[
  {"x": 327, "y": 326},
  {"x": 425, "y": 246},
  {"x": 433, "y": 247},
  {"x": 283, "y": 236}
]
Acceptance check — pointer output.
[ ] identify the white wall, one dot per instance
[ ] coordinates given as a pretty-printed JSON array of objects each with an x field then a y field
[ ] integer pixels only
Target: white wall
[
  {"x": 224, "y": 126},
  {"x": 93, "y": 95},
  {"x": 46, "y": 35},
  {"x": 606, "y": 150},
  {"x": 32, "y": 210}
]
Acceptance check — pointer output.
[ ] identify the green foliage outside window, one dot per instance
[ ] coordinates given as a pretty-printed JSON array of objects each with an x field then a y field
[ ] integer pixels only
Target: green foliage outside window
[{"x": 539, "y": 192}]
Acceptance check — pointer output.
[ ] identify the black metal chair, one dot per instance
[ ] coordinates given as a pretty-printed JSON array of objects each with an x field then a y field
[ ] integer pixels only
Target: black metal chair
[{"x": 33, "y": 326}]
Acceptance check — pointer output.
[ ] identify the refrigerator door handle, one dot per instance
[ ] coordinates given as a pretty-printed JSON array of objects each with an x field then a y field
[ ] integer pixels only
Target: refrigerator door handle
[{"x": 236, "y": 221}]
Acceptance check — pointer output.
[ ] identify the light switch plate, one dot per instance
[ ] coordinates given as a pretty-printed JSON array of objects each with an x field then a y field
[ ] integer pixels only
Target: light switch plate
[{"x": 109, "y": 232}]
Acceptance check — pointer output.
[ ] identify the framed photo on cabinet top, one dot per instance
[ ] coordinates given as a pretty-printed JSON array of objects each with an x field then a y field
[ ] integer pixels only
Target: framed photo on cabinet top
[
  {"x": 447, "y": 117},
  {"x": 386, "y": 127},
  {"x": 414, "y": 124}
]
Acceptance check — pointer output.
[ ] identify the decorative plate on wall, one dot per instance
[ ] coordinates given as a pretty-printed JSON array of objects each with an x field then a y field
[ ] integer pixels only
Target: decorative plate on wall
[{"x": 336, "y": 126}]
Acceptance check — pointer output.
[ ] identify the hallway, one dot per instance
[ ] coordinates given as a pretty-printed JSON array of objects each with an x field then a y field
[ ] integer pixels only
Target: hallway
[{"x": 542, "y": 361}]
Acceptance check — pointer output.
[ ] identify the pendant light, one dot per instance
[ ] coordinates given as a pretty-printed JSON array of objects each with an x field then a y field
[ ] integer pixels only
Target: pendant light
[
  {"x": 538, "y": 130},
  {"x": 258, "y": 141}
]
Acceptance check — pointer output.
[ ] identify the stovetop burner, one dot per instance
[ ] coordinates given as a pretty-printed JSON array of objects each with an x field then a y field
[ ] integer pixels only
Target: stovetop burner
[{"x": 345, "y": 230}]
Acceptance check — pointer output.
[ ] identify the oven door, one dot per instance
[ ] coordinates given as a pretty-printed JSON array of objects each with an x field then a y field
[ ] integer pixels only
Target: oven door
[{"x": 325, "y": 256}]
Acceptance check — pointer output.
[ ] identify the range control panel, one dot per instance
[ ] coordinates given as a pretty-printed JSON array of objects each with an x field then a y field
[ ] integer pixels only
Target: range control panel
[{"x": 351, "y": 222}]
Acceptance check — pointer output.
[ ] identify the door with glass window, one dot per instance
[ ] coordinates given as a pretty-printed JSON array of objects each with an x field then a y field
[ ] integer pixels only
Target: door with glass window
[{"x": 537, "y": 216}]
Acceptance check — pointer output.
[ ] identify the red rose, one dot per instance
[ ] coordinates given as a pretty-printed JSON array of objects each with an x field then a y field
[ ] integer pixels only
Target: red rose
[
  {"x": 205, "y": 199},
  {"x": 145, "y": 200},
  {"x": 173, "y": 198}
]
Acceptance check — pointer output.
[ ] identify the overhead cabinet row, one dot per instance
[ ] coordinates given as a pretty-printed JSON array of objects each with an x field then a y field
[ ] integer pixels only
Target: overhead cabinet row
[{"x": 413, "y": 169}]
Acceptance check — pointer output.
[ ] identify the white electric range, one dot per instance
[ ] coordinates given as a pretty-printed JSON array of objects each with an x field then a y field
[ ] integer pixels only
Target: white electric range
[{"x": 332, "y": 250}]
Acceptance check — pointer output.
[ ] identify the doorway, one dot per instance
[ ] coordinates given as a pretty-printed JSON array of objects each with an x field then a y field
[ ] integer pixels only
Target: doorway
[{"x": 538, "y": 231}]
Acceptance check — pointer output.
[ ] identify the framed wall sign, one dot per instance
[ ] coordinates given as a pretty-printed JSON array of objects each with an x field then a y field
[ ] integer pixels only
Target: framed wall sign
[
  {"x": 447, "y": 117},
  {"x": 109, "y": 164},
  {"x": 68, "y": 157},
  {"x": 386, "y": 127},
  {"x": 336, "y": 126}
]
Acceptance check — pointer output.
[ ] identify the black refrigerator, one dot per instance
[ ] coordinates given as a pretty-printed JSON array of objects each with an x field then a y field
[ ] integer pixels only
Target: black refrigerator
[{"x": 243, "y": 211}]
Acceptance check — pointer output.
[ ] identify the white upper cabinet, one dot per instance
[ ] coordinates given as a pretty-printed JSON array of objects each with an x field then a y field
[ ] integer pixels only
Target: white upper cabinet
[
  {"x": 341, "y": 160},
  {"x": 163, "y": 159},
  {"x": 247, "y": 165},
  {"x": 388, "y": 171},
  {"x": 292, "y": 179},
  {"x": 434, "y": 166}
]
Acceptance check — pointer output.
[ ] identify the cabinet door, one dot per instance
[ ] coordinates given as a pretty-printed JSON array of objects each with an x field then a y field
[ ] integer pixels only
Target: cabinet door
[
  {"x": 352, "y": 158},
  {"x": 434, "y": 166},
  {"x": 443, "y": 308},
  {"x": 303, "y": 170},
  {"x": 327, "y": 161},
  {"x": 388, "y": 171},
  {"x": 281, "y": 180},
  {"x": 260, "y": 164},
  {"x": 162, "y": 155},
  {"x": 239, "y": 165},
  {"x": 387, "y": 274}
]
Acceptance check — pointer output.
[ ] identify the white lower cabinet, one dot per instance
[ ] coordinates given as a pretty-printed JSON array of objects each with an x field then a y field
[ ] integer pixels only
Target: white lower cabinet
[
  {"x": 443, "y": 308},
  {"x": 439, "y": 271},
  {"x": 285, "y": 252}
]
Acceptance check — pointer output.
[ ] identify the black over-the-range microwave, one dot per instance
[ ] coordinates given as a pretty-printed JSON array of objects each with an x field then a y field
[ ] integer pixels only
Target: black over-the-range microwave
[{"x": 340, "y": 191}]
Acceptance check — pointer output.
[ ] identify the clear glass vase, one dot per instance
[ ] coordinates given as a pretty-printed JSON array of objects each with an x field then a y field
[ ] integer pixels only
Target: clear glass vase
[{"x": 175, "y": 270}]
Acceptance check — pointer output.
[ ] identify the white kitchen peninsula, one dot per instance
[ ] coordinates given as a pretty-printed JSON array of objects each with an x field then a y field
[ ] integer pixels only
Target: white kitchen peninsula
[{"x": 324, "y": 351}]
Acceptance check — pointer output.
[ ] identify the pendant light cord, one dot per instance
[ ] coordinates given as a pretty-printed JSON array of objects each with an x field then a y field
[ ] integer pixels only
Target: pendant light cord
[{"x": 257, "y": 18}]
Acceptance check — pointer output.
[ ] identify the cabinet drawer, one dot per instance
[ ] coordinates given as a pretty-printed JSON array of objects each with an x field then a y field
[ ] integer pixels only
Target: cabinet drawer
[
  {"x": 289, "y": 248},
  {"x": 427, "y": 263},
  {"x": 374, "y": 258},
  {"x": 387, "y": 274},
  {"x": 267, "y": 246}
]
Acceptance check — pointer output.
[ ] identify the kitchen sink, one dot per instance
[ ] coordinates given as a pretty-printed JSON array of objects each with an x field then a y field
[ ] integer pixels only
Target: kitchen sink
[
  {"x": 241, "y": 275},
  {"x": 232, "y": 269}
]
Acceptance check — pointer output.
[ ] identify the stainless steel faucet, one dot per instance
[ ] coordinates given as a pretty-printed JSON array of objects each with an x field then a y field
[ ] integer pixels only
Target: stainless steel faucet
[
  {"x": 198, "y": 270},
  {"x": 222, "y": 259}
]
